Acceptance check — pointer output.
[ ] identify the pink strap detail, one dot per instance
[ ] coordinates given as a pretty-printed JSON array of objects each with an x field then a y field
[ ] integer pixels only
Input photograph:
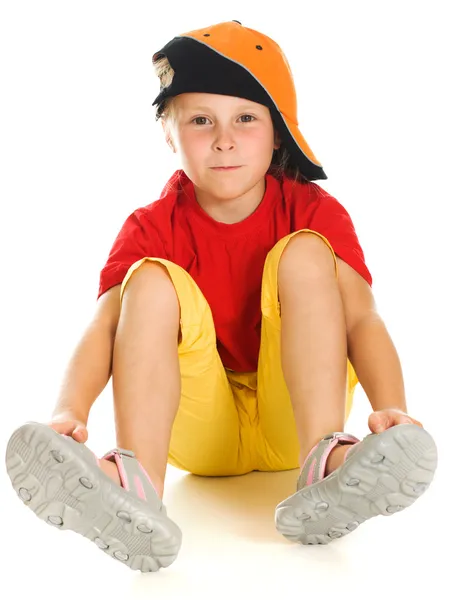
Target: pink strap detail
[
  {"x": 307, "y": 457},
  {"x": 139, "y": 487},
  {"x": 325, "y": 456},
  {"x": 146, "y": 474},
  {"x": 310, "y": 473},
  {"x": 331, "y": 446},
  {"x": 121, "y": 471},
  {"x": 124, "y": 478}
]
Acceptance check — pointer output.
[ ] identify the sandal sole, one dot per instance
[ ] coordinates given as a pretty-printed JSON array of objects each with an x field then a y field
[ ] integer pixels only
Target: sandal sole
[
  {"x": 56, "y": 477},
  {"x": 387, "y": 474}
]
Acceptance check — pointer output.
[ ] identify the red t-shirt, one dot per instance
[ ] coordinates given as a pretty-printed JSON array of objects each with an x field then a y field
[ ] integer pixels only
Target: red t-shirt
[{"x": 226, "y": 260}]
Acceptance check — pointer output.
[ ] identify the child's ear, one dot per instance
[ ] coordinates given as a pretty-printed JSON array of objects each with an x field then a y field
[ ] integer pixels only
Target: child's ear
[
  {"x": 277, "y": 140},
  {"x": 167, "y": 135}
]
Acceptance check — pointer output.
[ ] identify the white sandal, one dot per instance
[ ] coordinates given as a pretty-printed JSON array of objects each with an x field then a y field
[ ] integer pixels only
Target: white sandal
[
  {"x": 381, "y": 475},
  {"x": 62, "y": 482}
]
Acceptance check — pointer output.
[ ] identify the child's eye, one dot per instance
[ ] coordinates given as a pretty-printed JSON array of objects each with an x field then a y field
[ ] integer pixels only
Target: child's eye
[{"x": 196, "y": 119}]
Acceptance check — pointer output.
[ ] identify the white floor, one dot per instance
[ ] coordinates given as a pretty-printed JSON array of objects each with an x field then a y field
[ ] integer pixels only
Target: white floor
[{"x": 231, "y": 547}]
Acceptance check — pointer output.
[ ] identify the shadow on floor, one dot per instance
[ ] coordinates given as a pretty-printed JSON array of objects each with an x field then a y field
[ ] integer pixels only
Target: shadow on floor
[{"x": 243, "y": 505}]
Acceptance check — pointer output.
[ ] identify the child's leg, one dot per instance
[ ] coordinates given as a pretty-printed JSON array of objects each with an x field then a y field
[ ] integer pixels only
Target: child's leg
[
  {"x": 305, "y": 380},
  {"x": 146, "y": 377},
  {"x": 173, "y": 401},
  {"x": 313, "y": 339}
]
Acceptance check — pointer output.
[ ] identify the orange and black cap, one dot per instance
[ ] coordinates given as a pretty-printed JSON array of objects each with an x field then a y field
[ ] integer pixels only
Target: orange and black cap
[{"x": 233, "y": 60}]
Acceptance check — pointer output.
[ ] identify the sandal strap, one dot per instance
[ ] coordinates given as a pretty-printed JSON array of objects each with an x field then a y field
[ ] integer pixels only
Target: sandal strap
[
  {"x": 314, "y": 466},
  {"x": 134, "y": 478}
]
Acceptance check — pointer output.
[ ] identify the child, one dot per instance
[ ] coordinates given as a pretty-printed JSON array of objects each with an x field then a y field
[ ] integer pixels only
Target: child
[{"x": 236, "y": 317}]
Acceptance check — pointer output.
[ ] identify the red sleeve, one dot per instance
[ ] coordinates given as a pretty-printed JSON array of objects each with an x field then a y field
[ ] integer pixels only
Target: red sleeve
[
  {"x": 136, "y": 239},
  {"x": 332, "y": 220}
]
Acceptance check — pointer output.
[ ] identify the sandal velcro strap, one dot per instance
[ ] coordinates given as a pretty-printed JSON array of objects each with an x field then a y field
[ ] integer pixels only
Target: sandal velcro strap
[
  {"x": 314, "y": 466},
  {"x": 134, "y": 478}
]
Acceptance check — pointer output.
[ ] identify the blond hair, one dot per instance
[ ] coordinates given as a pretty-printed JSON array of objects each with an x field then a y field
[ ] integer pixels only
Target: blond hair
[{"x": 281, "y": 163}]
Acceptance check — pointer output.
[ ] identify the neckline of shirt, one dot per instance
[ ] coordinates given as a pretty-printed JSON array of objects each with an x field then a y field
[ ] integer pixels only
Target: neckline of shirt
[{"x": 252, "y": 222}]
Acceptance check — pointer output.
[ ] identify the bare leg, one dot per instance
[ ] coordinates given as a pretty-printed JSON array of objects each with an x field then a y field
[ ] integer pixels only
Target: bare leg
[
  {"x": 146, "y": 375},
  {"x": 313, "y": 342}
]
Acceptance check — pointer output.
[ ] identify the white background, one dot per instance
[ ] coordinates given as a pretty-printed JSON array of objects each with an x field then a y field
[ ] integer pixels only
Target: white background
[{"x": 80, "y": 150}]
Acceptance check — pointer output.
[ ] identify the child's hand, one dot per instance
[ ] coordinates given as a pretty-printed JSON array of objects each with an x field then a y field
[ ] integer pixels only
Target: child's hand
[
  {"x": 380, "y": 420},
  {"x": 68, "y": 424}
]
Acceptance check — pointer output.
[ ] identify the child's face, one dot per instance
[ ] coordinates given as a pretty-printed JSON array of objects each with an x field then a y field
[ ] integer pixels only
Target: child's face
[{"x": 212, "y": 130}]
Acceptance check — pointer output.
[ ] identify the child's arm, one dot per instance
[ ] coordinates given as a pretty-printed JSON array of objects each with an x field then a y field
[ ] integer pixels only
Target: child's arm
[{"x": 90, "y": 367}]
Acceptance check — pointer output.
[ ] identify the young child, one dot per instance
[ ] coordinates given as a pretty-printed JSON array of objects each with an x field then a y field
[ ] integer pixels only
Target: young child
[{"x": 236, "y": 317}]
